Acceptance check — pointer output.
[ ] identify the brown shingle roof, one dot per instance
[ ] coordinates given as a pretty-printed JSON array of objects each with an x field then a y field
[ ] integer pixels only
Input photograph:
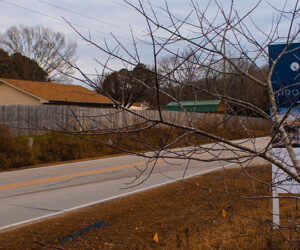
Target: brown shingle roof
[{"x": 58, "y": 92}]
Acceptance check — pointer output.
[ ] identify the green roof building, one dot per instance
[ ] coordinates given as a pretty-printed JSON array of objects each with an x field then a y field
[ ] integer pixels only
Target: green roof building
[{"x": 215, "y": 106}]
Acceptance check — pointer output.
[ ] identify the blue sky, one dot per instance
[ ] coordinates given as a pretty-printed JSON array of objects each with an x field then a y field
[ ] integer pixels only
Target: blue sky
[{"x": 102, "y": 17}]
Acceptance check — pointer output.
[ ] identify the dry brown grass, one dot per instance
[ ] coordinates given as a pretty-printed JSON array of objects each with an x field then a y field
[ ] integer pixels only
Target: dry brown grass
[
  {"x": 56, "y": 147},
  {"x": 185, "y": 215}
]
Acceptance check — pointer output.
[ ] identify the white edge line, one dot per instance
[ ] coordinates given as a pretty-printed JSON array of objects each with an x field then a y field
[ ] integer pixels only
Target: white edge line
[{"x": 109, "y": 199}]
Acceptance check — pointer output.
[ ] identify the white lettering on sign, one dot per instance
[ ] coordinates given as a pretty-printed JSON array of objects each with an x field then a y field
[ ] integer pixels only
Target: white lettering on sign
[{"x": 288, "y": 92}]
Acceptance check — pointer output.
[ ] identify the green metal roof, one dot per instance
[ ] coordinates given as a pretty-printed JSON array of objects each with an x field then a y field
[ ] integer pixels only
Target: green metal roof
[
  {"x": 187, "y": 103},
  {"x": 194, "y": 106}
]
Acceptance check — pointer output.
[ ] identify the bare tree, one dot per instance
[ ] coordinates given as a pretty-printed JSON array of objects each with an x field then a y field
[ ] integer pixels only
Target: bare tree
[
  {"x": 188, "y": 72},
  {"x": 214, "y": 52},
  {"x": 199, "y": 63},
  {"x": 50, "y": 49},
  {"x": 206, "y": 50}
]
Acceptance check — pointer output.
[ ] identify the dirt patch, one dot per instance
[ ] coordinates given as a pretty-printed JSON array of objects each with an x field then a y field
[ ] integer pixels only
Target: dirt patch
[{"x": 207, "y": 212}]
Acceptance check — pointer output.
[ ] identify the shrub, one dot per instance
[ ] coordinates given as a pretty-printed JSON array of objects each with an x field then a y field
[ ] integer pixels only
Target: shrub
[
  {"x": 4, "y": 162},
  {"x": 13, "y": 151}
]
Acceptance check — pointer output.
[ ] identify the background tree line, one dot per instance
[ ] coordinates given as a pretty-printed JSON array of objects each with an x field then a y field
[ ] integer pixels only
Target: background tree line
[{"x": 187, "y": 83}]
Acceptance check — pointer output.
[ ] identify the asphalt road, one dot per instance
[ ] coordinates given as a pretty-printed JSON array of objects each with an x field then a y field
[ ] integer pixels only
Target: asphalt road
[{"x": 38, "y": 193}]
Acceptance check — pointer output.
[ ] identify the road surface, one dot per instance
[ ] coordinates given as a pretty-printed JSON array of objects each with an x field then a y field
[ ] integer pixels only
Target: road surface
[{"x": 38, "y": 193}]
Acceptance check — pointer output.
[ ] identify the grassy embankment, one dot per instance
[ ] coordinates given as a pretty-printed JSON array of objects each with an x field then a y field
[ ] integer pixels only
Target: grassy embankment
[
  {"x": 184, "y": 215},
  {"x": 55, "y": 147}
]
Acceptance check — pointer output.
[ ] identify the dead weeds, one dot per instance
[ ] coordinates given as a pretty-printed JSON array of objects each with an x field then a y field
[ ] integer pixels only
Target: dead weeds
[
  {"x": 57, "y": 147},
  {"x": 184, "y": 215}
]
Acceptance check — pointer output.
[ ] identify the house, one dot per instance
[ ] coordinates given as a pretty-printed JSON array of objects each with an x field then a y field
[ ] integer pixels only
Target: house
[
  {"x": 216, "y": 106},
  {"x": 21, "y": 92},
  {"x": 139, "y": 106}
]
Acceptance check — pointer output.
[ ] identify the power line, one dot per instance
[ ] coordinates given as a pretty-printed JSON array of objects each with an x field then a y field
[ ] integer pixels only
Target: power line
[
  {"x": 92, "y": 18},
  {"x": 30, "y": 10},
  {"x": 157, "y": 13},
  {"x": 146, "y": 8},
  {"x": 81, "y": 14},
  {"x": 58, "y": 19}
]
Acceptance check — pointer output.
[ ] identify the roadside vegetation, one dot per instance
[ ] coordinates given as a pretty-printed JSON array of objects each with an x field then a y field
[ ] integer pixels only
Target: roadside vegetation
[
  {"x": 56, "y": 147},
  {"x": 185, "y": 215}
]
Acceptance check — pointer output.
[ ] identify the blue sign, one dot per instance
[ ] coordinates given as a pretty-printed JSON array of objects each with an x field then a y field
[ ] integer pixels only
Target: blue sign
[{"x": 286, "y": 74}]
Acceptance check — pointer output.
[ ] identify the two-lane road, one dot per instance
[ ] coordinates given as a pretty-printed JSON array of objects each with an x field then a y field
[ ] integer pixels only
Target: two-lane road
[{"x": 33, "y": 194}]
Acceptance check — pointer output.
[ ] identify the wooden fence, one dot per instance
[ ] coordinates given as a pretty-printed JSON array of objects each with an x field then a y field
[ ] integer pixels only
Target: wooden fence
[{"x": 35, "y": 120}]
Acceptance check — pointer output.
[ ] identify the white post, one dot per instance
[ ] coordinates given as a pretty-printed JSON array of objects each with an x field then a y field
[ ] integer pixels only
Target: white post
[
  {"x": 275, "y": 209},
  {"x": 30, "y": 144},
  {"x": 275, "y": 201}
]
